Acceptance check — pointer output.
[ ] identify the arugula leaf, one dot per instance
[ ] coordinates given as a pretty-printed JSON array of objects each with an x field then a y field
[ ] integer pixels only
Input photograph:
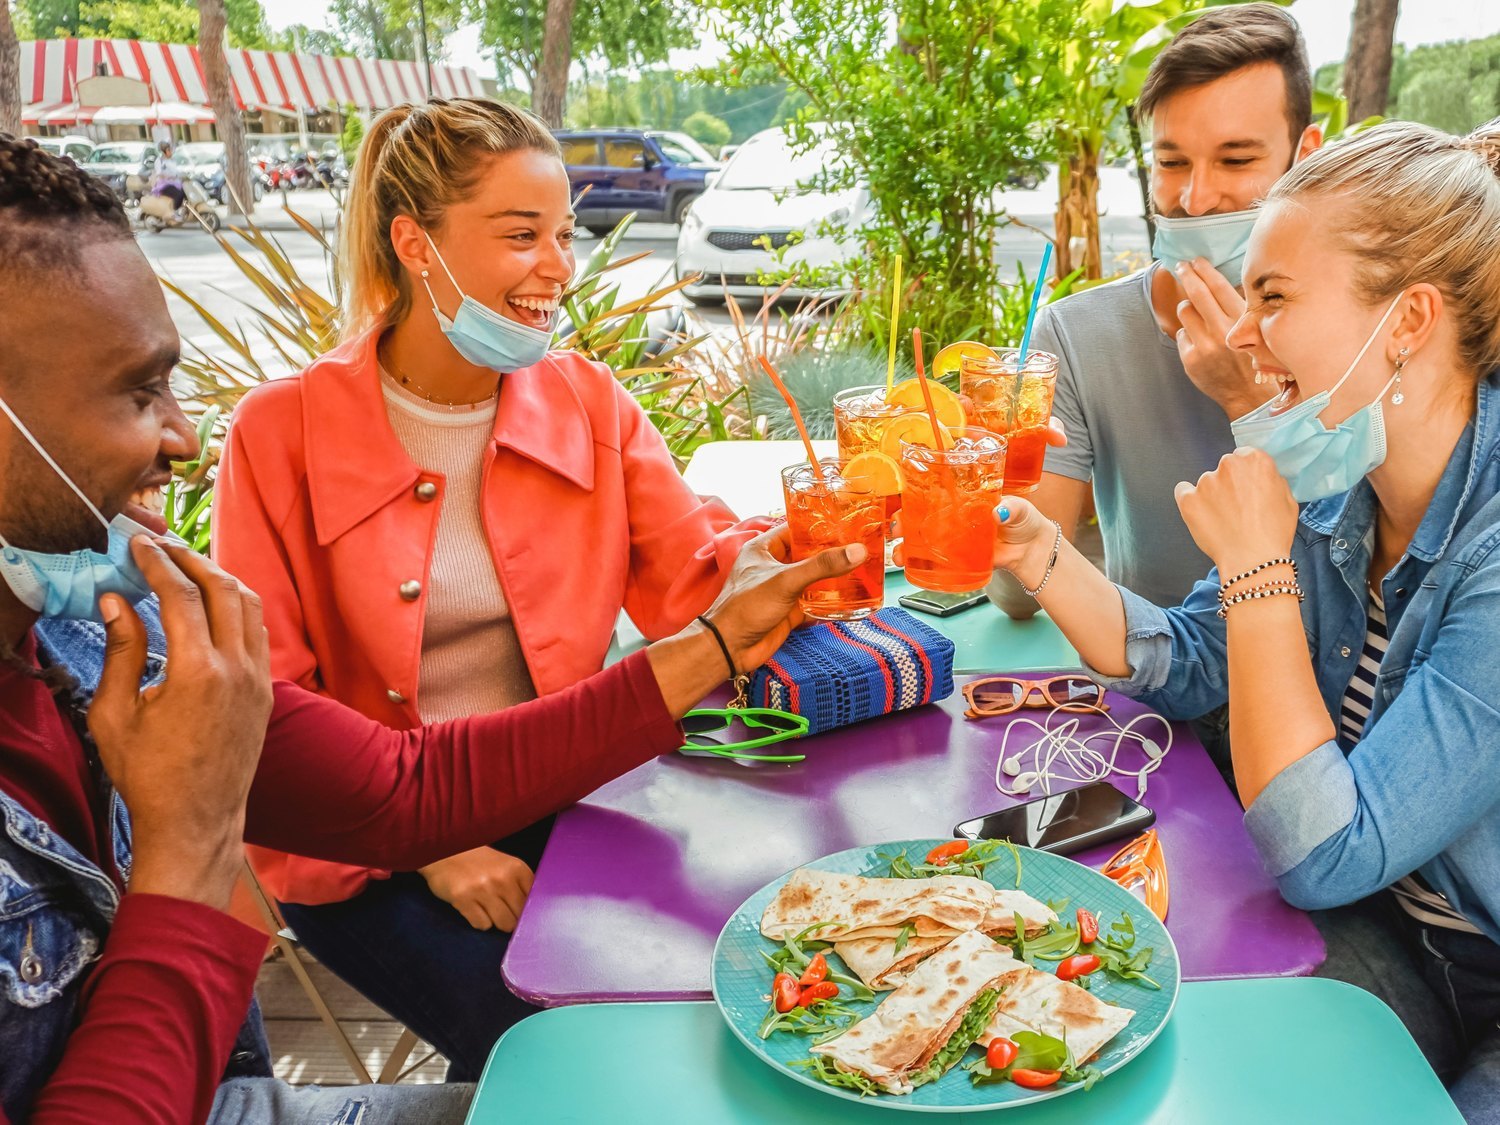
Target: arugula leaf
[
  {"x": 823, "y": 1018},
  {"x": 823, "y": 1069},
  {"x": 971, "y": 862},
  {"x": 905, "y": 935},
  {"x": 970, "y": 1028}
]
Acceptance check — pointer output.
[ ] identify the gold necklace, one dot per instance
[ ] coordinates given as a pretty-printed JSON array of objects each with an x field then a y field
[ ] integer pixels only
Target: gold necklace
[{"x": 422, "y": 392}]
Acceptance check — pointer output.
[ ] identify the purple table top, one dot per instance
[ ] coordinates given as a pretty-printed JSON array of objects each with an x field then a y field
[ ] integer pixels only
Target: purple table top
[{"x": 638, "y": 879}]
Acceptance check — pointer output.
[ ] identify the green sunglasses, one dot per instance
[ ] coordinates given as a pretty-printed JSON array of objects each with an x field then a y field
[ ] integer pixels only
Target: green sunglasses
[{"x": 731, "y": 732}]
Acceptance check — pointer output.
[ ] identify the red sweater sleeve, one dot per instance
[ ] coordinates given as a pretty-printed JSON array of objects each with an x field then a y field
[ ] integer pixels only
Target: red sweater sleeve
[
  {"x": 157, "y": 1018},
  {"x": 333, "y": 784}
]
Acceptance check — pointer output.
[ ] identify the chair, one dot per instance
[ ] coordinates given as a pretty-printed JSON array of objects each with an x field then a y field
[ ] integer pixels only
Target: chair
[{"x": 395, "y": 1068}]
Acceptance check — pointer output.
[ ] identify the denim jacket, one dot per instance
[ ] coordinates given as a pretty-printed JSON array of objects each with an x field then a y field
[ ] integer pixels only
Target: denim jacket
[
  {"x": 1420, "y": 789},
  {"x": 56, "y": 907}
]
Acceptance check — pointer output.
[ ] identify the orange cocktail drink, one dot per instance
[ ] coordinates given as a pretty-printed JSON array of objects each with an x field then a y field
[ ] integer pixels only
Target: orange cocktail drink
[
  {"x": 1013, "y": 399},
  {"x": 835, "y": 512},
  {"x": 948, "y": 515},
  {"x": 860, "y": 415}
]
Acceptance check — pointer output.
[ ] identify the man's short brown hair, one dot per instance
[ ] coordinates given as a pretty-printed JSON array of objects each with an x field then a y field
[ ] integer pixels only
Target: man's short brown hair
[{"x": 1222, "y": 41}]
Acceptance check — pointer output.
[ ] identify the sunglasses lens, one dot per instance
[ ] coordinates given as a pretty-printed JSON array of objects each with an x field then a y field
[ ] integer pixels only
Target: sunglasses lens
[
  {"x": 1077, "y": 690},
  {"x": 998, "y": 695},
  {"x": 774, "y": 720},
  {"x": 703, "y": 722}
]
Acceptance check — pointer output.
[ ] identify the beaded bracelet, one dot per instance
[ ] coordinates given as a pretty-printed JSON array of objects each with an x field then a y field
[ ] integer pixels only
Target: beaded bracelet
[
  {"x": 1254, "y": 570},
  {"x": 1269, "y": 590},
  {"x": 1051, "y": 562}
]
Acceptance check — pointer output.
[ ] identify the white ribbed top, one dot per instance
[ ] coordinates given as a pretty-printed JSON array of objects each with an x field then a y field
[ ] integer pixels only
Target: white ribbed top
[{"x": 471, "y": 658}]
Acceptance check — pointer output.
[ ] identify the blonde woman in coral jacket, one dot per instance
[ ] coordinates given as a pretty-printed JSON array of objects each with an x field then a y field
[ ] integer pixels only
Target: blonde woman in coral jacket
[{"x": 445, "y": 517}]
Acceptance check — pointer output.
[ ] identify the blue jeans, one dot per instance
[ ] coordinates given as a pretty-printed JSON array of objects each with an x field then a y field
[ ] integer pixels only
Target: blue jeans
[
  {"x": 1444, "y": 984},
  {"x": 265, "y": 1101},
  {"x": 414, "y": 955}
]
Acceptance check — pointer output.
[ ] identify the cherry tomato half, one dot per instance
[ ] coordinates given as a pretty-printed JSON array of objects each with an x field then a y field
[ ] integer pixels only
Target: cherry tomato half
[
  {"x": 1035, "y": 1079},
  {"x": 944, "y": 852},
  {"x": 784, "y": 992},
  {"x": 823, "y": 990},
  {"x": 1079, "y": 965},
  {"x": 1001, "y": 1053},
  {"x": 1088, "y": 927},
  {"x": 817, "y": 970}
]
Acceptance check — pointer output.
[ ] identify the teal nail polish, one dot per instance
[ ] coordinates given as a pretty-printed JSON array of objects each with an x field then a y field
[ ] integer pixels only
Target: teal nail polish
[{"x": 1004, "y": 514}]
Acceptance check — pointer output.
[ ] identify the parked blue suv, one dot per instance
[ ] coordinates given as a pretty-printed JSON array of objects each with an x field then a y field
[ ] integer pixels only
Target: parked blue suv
[{"x": 655, "y": 174}]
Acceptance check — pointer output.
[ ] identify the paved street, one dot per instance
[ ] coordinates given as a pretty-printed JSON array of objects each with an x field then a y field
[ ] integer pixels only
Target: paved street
[{"x": 193, "y": 260}]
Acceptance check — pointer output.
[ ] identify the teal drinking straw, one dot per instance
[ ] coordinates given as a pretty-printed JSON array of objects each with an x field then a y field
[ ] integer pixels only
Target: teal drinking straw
[{"x": 1036, "y": 300}]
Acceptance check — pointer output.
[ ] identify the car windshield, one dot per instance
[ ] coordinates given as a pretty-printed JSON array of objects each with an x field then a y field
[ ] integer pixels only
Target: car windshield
[
  {"x": 205, "y": 152},
  {"x": 769, "y": 163},
  {"x": 682, "y": 148},
  {"x": 118, "y": 154}
]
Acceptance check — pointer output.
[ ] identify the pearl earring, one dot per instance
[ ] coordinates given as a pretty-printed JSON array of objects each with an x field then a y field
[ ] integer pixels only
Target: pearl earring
[{"x": 1398, "y": 398}]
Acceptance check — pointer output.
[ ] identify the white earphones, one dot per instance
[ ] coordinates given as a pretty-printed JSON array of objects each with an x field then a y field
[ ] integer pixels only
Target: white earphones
[{"x": 1063, "y": 748}]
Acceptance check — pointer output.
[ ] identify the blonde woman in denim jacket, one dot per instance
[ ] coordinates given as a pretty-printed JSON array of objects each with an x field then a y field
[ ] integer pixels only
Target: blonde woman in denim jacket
[{"x": 1358, "y": 656}]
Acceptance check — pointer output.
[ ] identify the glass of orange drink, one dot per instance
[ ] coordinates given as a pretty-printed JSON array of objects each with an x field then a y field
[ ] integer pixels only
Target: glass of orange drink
[
  {"x": 949, "y": 496},
  {"x": 1014, "y": 399},
  {"x": 842, "y": 508}
]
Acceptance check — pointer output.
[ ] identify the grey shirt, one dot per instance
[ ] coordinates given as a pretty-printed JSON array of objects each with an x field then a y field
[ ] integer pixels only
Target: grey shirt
[{"x": 1136, "y": 426}]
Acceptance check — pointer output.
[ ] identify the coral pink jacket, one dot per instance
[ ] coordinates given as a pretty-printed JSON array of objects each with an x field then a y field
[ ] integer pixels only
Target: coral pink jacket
[{"x": 321, "y": 512}]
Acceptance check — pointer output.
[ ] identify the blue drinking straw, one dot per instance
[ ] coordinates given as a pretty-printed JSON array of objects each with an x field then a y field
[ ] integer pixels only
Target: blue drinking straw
[{"x": 1036, "y": 300}]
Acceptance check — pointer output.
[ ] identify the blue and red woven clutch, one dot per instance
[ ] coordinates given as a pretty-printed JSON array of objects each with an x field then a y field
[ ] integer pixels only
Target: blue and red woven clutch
[{"x": 840, "y": 672}]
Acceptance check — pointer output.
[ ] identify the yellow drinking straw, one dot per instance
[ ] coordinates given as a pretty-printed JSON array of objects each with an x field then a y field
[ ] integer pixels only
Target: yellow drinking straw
[{"x": 890, "y": 363}]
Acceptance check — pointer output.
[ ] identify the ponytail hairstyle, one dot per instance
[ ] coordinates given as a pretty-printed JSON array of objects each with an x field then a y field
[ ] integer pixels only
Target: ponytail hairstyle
[
  {"x": 417, "y": 160},
  {"x": 1415, "y": 205}
]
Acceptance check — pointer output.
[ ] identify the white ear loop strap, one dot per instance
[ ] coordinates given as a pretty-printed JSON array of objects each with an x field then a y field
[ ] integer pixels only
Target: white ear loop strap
[
  {"x": 56, "y": 468},
  {"x": 1083, "y": 762}
]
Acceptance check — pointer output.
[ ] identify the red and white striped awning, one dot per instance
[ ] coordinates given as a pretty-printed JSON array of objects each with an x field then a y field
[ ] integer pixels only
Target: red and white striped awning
[{"x": 274, "y": 80}]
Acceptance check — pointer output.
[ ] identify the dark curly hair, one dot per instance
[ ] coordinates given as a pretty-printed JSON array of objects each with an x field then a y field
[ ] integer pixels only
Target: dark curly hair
[{"x": 50, "y": 209}]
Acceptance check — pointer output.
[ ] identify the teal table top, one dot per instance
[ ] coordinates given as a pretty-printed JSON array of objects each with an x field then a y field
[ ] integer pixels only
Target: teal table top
[
  {"x": 746, "y": 475},
  {"x": 1244, "y": 1051}
]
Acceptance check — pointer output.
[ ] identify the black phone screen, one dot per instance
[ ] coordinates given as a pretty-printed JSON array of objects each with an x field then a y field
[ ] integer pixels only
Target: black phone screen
[{"x": 1063, "y": 822}]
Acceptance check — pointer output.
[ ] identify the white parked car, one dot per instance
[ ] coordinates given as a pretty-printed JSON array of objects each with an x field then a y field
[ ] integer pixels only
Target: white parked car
[
  {"x": 76, "y": 149},
  {"x": 761, "y": 202}
]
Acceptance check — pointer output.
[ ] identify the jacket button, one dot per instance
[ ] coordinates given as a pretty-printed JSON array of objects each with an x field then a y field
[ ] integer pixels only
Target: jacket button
[
  {"x": 410, "y": 590},
  {"x": 1341, "y": 543},
  {"x": 395, "y": 696},
  {"x": 426, "y": 491},
  {"x": 1344, "y": 651},
  {"x": 31, "y": 968}
]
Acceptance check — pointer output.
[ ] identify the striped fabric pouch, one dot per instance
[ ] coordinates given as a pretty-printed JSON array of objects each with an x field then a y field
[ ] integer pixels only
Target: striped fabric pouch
[{"x": 839, "y": 672}]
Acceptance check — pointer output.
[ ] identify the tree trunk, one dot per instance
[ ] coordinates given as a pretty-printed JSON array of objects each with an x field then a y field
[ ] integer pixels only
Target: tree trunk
[
  {"x": 550, "y": 91},
  {"x": 1078, "y": 214},
  {"x": 1367, "y": 69},
  {"x": 211, "y": 32},
  {"x": 10, "y": 74}
]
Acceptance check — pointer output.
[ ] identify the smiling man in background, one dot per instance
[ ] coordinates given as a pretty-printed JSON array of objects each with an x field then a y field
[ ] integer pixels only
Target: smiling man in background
[{"x": 1146, "y": 386}]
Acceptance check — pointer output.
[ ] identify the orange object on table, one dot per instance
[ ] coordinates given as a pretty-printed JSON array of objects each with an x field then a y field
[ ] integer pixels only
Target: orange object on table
[{"x": 1141, "y": 868}]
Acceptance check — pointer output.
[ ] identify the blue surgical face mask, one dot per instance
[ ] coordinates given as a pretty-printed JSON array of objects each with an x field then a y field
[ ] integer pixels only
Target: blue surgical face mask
[
  {"x": 70, "y": 585},
  {"x": 1221, "y": 239},
  {"x": 481, "y": 335},
  {"x": 1318, "y": 462}
]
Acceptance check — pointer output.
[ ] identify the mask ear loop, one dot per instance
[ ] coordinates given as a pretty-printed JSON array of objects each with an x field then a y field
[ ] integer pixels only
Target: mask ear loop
[
  {"x": 456, "y": 286},
  {"x": 56, "y": 468},
  {"x": 1350, "y": 370}
]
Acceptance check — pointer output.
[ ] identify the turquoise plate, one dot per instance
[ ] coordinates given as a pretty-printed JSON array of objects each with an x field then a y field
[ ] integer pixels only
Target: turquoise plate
[{"x": 742, "y": 980}]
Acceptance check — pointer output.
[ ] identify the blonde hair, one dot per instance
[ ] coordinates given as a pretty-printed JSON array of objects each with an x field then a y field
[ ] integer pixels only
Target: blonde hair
[
  {"x": 1418, "y": 205},
  {"x": 417, "y": 160}
]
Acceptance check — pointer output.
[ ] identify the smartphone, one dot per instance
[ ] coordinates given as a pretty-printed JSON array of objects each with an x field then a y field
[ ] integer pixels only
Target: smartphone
[
  {"x": 939, "y": 604},
  {"x": 1064, "y": 822}
]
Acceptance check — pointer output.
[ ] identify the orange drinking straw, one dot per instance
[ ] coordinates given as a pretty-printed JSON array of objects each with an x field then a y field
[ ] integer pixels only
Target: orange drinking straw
[
  {"x": 916, "y": 347},
  {"x": 812, "y": 458}
]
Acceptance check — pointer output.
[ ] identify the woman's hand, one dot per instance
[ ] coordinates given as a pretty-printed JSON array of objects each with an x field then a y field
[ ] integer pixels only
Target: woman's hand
[
  {"x": 754, "y": 613},
  {"x": 1024, "y": 541},
  {"x": 1242, "y": 513},
  {"x": 758, "y": 606},
  {"x": 487, "y": 887}
]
